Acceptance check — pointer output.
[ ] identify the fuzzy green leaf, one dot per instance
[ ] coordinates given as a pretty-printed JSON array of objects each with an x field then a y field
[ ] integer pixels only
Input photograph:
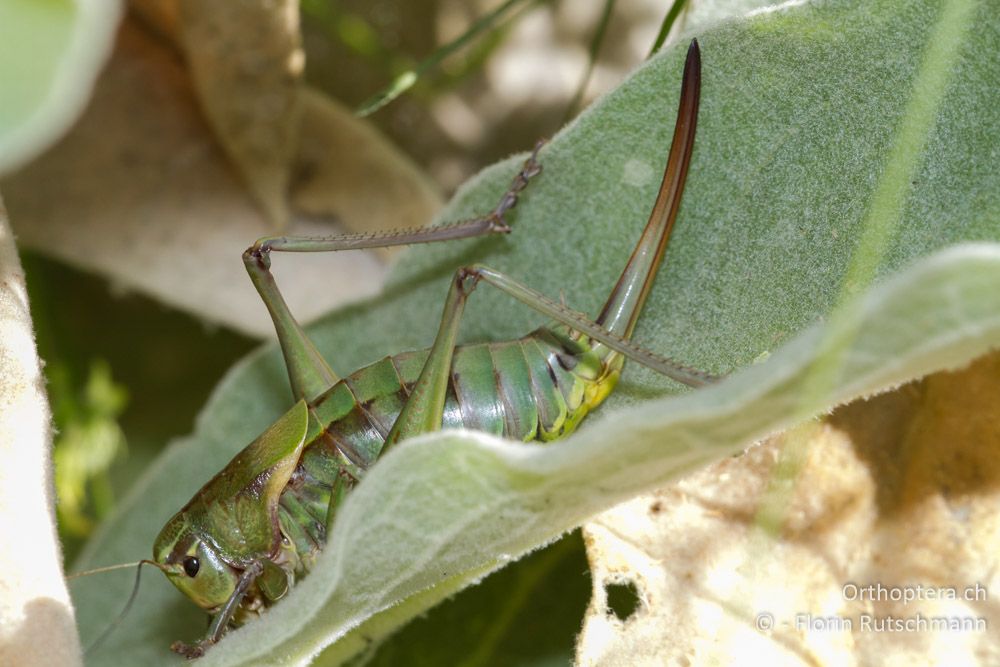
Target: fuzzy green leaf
[
  {"x": 840, "y": 145},
  {"x": 52, "y": 52}
]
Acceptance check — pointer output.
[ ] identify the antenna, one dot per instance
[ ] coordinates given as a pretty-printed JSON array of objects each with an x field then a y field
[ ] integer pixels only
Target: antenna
[{"x": 131, "y": 598}]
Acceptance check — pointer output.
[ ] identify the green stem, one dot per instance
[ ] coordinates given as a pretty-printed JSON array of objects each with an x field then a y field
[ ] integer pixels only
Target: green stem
[
  {"x": 406, "y": 80},
  {"x": 595, "y": 48},
  {"x": 668, "y": 23}
]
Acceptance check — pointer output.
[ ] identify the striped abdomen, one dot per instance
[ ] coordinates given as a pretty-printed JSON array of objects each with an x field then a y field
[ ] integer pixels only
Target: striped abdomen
[{"x": 535, "y": 388}]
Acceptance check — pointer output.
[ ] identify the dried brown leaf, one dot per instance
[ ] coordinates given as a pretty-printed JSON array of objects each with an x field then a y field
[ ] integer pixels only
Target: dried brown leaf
[
  {"x": 349, "y": 172},
  {"x": 900, "y": 491},
  {"x": 140, "y": 191},
  {"x": 160, "y": 16},
  {"x": 246, "y": 61}
]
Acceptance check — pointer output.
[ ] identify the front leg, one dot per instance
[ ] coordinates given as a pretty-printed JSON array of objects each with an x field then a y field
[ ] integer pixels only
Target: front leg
[{"x": 220, "y": 624}]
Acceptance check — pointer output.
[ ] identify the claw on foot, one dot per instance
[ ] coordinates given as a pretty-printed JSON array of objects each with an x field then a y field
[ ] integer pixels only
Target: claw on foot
[{"x": 190, "y": 651}]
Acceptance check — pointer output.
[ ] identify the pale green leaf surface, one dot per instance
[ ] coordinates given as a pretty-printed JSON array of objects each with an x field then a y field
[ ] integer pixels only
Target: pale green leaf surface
[
  {"x": 36, "y": 617},
  {"x": 51, "y": 53},
  {"x": 808, "y": 119}
]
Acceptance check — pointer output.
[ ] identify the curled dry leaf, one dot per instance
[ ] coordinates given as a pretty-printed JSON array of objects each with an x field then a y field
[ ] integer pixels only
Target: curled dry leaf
[
  {"x": 900, "y": 491},
  {"x": 246, "y": 62},
  {"x": 348, "y": 171},
  {"x": 140, "y": 191},
  {"x": 162, "y": 17},
  {"x": 36, "y": 620}
]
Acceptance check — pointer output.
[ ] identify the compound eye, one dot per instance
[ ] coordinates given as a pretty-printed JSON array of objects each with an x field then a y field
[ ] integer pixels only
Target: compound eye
[{"x": 191, "y": 566}]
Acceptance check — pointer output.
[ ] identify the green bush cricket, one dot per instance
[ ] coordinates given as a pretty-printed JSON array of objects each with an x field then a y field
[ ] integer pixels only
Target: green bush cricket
[{"x": 258, "y": 525}]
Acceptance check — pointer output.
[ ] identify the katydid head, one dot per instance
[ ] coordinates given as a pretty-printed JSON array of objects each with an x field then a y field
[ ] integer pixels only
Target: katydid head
[
  {"x": 232, "y": 522},
  {"x": 193, "y": 565}
]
